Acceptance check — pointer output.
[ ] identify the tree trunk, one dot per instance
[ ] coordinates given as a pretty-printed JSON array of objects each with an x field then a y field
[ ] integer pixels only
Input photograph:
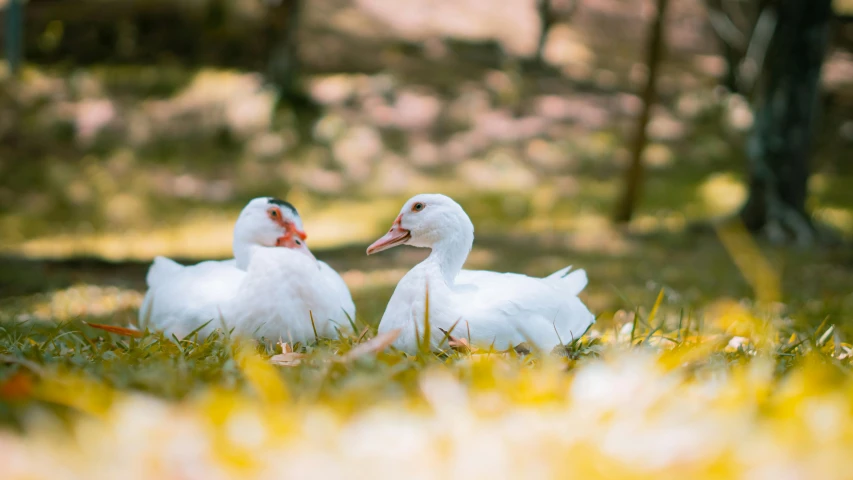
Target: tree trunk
[
  {"x": 546, "y": 20},
  {"x": 634, "y": 174},
  {"x": 284, "y": 65},
  {"x": 787, "y": 105},
  {"x": 14, "y": 35}
]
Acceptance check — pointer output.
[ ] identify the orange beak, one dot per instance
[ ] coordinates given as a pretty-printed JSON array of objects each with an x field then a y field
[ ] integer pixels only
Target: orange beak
[{"x": 396, "y": 236}]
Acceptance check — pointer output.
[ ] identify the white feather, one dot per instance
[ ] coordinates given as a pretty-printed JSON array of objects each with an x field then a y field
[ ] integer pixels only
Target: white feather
[
  {"x": 499, "y": 310},
  {"x": 270, "y": 297},
  {"x": 284, "y": 295},
  {"x": 189, "y": 297}
]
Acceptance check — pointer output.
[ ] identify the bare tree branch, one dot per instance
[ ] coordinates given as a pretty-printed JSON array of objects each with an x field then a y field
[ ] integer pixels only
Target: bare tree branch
[{"x": 634, "y": 174}]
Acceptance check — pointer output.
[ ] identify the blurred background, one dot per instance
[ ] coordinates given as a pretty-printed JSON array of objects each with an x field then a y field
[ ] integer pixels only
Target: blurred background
[{"x": 611, "y": 135}]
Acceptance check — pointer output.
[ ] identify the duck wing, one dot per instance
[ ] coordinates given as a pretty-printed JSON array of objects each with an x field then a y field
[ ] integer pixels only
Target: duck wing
[
  {"x": 182, "y": 298},
  {"x": 339, "y": 291},
  {"x": 506, "y": 309}
]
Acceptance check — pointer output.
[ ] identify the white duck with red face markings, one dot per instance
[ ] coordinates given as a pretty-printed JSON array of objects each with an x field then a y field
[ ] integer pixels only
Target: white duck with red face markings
[
  {"x": 266, "y": 291},
  {"x": 499, "y": 310}
]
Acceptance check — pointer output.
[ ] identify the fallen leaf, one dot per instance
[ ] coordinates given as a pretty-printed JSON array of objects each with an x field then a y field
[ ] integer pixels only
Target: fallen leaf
[
  {"x": 17, "y": 387},
  {"x": 117, "y": 330},
  {"x": 457, "y": 343},
  {"x": 375, "y": 344},
  {"x": 288, "y": 359}
]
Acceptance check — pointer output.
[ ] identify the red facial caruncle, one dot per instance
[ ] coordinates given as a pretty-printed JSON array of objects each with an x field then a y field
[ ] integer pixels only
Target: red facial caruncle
[{"x": 293, "y": 237}]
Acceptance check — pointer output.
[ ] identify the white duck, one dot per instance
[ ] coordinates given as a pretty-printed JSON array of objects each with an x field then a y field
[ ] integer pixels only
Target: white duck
[
  {"x": 265, "y": 291},
  {"x": 499, "y": 310}
]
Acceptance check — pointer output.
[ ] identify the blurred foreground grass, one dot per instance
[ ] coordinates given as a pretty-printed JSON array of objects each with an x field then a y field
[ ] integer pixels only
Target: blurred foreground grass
[{"x": 734, "y": 392}]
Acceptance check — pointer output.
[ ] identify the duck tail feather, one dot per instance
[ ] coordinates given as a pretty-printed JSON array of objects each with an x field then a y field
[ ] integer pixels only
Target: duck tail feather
[
  {"x": 161, "y": 269},
  {"x": 569, "y": 281}
]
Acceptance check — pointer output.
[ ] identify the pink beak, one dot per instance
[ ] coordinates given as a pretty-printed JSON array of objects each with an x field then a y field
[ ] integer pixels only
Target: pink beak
[{"x": 396, "y": 236}]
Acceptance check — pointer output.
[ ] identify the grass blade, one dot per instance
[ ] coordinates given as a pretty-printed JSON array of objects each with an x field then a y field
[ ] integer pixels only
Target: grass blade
[
  {"x": 313, "y": 326},
  {"x": 655, "y": 308},
  {"x": 427, "y": 342}
]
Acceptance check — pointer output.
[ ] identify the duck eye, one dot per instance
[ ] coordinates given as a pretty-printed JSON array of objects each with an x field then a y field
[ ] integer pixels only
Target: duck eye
[
  {"x": 298, "y": 242},
  {"x": 273, "y": 213},
  {"x": 418, "y": 207}
]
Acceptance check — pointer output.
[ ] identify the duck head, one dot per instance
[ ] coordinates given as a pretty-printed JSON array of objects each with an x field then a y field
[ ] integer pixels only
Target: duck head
[
  {"x": 268, "y": 222},
  {"x": 428, "y": 220}
]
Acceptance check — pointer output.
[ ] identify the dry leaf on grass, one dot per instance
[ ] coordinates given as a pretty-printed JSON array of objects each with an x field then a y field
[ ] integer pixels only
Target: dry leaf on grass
[
  {"x": 128, "y": 332},
  {"x": 458, "y": 343},
  {"x": 375, "y": 344},
  {"x": 288, "y": 359},
  {"x": 17, "y": 387}
]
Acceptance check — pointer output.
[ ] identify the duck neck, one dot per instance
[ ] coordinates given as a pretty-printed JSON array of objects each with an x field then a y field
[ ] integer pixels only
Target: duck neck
[
  {"x": 450, "y": 253},
  {"x": 242, "y": 252}
]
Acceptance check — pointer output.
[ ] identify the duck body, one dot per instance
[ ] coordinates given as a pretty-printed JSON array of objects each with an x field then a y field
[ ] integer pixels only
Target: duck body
[
  {"x": 492, "y": 310},
  {"x": 288, "y": 296},
  {"x": 181, "y": 298},
  {"x": 489, "y": 309},
  {"x": 276, "y": 298},
  {"x": 270, "y": 290}
]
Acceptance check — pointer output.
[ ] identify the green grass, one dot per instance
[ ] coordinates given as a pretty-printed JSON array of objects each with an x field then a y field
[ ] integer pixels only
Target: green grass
[
  {"x": 129, "y": 394},
  {"x": 172, "y": 369}
]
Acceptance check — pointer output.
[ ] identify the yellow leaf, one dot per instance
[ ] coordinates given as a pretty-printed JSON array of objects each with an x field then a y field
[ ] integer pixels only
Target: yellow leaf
[{"x": 262, "y": 376}]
